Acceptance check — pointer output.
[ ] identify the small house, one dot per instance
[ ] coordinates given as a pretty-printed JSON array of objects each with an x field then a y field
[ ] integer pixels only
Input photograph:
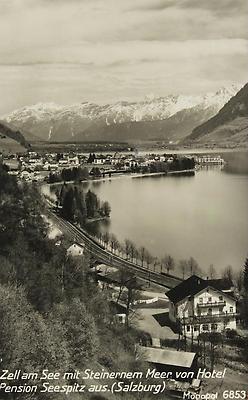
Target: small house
[{"x": 75, "y": 250}]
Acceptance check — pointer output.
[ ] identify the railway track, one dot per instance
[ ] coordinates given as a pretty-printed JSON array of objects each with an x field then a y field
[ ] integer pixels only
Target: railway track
[{"x": 103, "y": 255}]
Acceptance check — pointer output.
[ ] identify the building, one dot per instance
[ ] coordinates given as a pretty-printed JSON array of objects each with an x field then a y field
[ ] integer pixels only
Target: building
[
  {"x": 207, "y": 159},
  {"x": 75, "y": 250},
  {"x": 12, "y": 164},
  {"x": 99, "y": 160},
  {"x": 201, "y": 305},
  {"x": 26, "y": 175},
  {"x": 63, "y": 162},
  {"x": 73, "y": 160},
  {"x": 50, "y": 166},
  {"x": 178, "y": 365}
]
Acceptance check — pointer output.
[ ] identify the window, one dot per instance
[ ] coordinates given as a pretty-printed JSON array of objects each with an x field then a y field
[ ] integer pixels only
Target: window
[
  {"x": 209, "y": 299},
  {"x": 214, "y": 327},
  {"x": 196, "y": 328},
  {"x": 188, "y": 328},
  {"x": 210, "y": 311},
  {"x": 200, "y": 300},
  {"x": 221, "y": 298},
  {"x": 205, "y": 327},
  {"x": 231, "y": 309}
]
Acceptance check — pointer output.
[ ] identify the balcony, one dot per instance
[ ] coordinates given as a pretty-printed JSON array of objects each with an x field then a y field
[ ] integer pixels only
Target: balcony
[
  {"x": 208, "y": 318},
  {"x": 219, "y": 303}
]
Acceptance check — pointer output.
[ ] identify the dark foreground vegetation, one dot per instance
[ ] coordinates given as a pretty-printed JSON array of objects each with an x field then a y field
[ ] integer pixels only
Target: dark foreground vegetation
[
  {"x": 53, "y": 315},
  {"x": 79, "y": 207}
]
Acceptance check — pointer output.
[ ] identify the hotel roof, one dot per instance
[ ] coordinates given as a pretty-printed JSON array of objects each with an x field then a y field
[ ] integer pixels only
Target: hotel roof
[{"x": 194, "y": 284}]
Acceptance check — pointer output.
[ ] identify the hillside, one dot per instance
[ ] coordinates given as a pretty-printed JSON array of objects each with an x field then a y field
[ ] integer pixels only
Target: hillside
[
  {"x": 172, "y": 129},
  {"x": 228, "y": 126},
  {"x": 169, "y": 118},
  {"x": 11, "y": 140},
  {"x": 49, "y": 323}
]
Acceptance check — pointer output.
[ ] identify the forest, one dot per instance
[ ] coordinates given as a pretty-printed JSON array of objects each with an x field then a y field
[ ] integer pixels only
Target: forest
[
  {"x": 79, "y": 207},
  {"x": 53, "y": 314}
]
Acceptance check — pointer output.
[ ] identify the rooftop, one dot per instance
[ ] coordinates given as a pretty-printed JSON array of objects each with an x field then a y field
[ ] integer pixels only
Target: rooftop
[
  {"x": 193, "y": 285},
  {"x": 167, "y": 357}
]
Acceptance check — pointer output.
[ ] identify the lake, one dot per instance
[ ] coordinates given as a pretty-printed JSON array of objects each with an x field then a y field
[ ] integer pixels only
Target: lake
[{"x": 204, "y": 216}]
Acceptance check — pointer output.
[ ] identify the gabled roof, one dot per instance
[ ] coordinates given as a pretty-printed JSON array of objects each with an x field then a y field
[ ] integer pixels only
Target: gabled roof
[
  {"x": 194, "y": 284},
  {"x": 167, "y": 357},
  {"x": 221, "y": 284},
  {"x": 190, "y": 286}
]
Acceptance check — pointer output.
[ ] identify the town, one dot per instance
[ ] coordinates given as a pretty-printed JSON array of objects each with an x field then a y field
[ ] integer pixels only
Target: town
[{"x": 38, "y": 167}]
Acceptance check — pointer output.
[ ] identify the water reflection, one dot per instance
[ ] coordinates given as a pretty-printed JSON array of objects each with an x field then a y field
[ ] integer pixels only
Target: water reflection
[{"x": 205, "y": 216}]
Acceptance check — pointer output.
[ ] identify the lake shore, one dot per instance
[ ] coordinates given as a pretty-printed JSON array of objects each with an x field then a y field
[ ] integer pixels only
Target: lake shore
[{"x": 121, "y": 176}]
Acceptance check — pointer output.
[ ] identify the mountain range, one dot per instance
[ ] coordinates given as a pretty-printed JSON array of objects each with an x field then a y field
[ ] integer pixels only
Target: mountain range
[
  {"x": 170, "y": 118},
  {"x": 228, "y": 126}
]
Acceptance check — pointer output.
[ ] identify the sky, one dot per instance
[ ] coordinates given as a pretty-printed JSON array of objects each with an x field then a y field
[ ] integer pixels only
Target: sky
[{"x": 70, "y": 51}]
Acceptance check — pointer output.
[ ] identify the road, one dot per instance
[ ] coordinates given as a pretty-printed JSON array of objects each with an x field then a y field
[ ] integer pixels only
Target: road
[{"x": 105, "y": 256}]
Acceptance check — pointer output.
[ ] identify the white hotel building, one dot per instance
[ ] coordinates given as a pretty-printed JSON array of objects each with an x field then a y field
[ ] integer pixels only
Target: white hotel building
[{"x": 200, "y": 305}]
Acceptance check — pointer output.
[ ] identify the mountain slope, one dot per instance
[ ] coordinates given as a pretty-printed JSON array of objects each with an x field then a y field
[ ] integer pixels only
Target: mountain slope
[
  {"x": 229, "y": 125},
  {"x": 11, "y": 139},
  {"x": 121, "y": 120},
  {"x": 171, "y": 129}
]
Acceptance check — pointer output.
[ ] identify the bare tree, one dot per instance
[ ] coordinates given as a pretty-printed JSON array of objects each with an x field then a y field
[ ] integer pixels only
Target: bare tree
[
  {"x": 212, "y": 271},
  {"x": 122, "y": 278},
  {"x": 142, "y": 253},
  {"x": 132, "y": 295},
  {"x": 193, "y": 266},
  {"x": 121, "y": 250},
  {"x": 168, "y": 263},
  {"x": 228, "y": 273},
  {"x": 114, "y": 244},
  {"x": 132, "y": 250},
  {"x": 148, "y": 259},
  {"x": 183, "y": 265},
  {"x": 127, "y": 281},
  {"x": 127, "y": 246},
  {"x": 105, "y": 238},
  {"x": 136, "y": 256},
  {"x": 155, "y": 263},
  {"x": 99, "y": 236}
]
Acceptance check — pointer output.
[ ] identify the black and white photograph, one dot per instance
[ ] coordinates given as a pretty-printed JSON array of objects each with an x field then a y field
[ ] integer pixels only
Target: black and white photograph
[{"x": 123, "y": 199}]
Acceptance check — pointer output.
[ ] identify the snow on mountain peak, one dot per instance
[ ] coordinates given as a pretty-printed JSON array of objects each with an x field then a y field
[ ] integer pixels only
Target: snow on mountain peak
[{"x": 51, "y": 117}]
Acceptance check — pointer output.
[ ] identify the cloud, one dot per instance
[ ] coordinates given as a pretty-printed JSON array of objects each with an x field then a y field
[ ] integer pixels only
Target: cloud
[
  {"x": 116, "y": 48},
  {"x": 156, "y": 5},
  {"x": 220, "y": 7}
]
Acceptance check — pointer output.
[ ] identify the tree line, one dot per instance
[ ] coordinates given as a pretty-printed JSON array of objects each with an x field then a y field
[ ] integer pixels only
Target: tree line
[
  {"x": 176, "y": 164},
  {"x": 141, "y": 256},
  {"x": 78, "y": 206},
  {"x": 53, "y": 314},
  {"x": 69, "y": 174},
  {"x": 181, "y": 164}
]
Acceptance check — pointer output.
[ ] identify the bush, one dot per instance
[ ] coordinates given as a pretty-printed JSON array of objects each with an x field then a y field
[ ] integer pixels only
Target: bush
[{"x": 231, "y": 333}]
